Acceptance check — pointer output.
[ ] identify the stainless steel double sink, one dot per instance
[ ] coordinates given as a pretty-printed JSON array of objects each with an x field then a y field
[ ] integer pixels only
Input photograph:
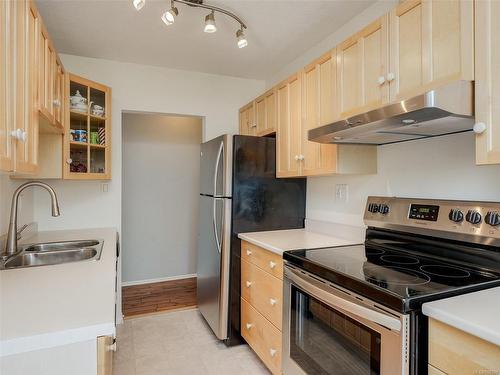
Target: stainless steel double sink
[{"x": 50, "y": 253}]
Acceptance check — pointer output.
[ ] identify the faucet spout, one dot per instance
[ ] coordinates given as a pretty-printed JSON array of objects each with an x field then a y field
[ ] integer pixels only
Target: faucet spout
[{"x": 11, "y": 243}]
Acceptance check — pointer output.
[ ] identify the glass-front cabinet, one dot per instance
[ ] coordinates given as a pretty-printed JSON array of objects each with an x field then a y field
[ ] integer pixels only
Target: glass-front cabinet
[{"x": 87, "y": 150}]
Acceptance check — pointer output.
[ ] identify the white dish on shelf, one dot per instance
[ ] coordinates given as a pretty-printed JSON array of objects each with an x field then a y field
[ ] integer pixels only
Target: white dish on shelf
[{"x": 79, "y": 107}]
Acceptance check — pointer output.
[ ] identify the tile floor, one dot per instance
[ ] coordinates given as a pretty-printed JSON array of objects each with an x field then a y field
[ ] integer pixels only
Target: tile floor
[{"x": 179, "y": 343}]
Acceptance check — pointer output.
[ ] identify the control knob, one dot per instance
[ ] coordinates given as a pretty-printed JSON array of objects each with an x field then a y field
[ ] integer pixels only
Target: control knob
[
  {"x": 383, "y": 209},
  {"x": 473, "y": 217},
  {"x": 373, "y": 208},
  {"x": 492, "y": 218},
  {"x": 456, "y": 215}
]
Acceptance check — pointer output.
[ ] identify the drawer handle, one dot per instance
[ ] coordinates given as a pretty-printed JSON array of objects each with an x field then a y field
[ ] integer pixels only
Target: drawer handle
[
  {"x": 249, "y": 252},
  {"x": 272, "y": 301},
  {"x": 249, "y": 284},
  {"x": 249, "y": 325},
  {"x": 272, "y": 264},
  {"x": 272, "y": 352}
]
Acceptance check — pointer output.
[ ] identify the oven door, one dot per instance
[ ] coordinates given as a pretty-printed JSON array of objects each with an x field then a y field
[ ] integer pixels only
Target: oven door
[{"x": 330, "y": 330}]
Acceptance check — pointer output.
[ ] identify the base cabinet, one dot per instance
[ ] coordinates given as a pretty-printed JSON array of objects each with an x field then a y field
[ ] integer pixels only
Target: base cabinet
[
  {"x": 452, "y": 351},
  {"x": 261, "y": 303},
  {"x": 105, "y": 350}
]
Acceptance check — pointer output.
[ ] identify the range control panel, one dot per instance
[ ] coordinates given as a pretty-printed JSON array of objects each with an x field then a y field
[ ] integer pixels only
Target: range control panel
[{"x": 466, "y": 218}]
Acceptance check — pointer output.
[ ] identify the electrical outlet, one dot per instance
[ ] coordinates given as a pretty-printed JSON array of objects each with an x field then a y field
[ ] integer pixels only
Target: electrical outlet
[{"x": 341, "y": 193}]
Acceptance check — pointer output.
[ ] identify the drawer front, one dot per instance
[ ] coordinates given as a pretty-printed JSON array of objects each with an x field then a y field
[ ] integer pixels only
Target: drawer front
[
  {"x": 262, "y": 336},
  {"x": 434, "y": 371},
  {"x": 456, "y": 352},
  {"x": 267, "y": 260},
  {"x": 263, "y": 291}
]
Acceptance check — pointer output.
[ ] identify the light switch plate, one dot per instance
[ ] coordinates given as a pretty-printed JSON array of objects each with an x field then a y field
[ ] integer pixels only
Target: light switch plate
[
  {"x": 341, "y": 193},
  {"x": 105, "y": 187}
]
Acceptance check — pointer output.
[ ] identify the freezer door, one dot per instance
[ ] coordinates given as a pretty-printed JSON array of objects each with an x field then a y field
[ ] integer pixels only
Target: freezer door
[
  {"x": 213, "y": 262},
  {"x": 216, "y": 165}
]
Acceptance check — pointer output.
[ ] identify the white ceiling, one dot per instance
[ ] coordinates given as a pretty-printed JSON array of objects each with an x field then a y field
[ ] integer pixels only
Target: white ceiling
[{"x": 278, "y": 32}]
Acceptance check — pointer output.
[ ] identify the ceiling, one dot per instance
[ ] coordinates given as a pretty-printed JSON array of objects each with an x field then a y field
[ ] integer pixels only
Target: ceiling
[{"x": 278, "y": 32}]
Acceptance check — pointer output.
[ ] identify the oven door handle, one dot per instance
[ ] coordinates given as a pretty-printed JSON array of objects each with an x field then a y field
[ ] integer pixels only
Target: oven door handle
[{"x": 337, "y": 301}]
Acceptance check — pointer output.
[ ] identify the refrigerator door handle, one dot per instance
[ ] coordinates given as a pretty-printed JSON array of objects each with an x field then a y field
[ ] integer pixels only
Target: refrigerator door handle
[
  {"x": 216, "y": 229},
  {"x": 217, "y": 161}
]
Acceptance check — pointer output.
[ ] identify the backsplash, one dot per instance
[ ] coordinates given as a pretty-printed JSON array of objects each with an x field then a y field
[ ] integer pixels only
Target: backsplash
[{"x": 442, "y": 167}]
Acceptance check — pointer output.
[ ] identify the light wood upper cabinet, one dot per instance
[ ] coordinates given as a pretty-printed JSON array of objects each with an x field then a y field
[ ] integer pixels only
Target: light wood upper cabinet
[
  {"x": 248, "y": 125},
  {"x": 6, "y": 66},
  {"x": 318, "y": 107},
  {"x": 265, "y": 113},
  {"x": 288, "y": 132},
  {"x": 362, "y": 63},
  {"x": 431, "y": 44},
  {"x": 487, "y": 93}
]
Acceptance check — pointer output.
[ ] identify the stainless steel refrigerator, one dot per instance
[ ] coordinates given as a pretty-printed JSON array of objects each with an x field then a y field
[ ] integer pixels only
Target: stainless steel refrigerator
[{"x": 239, "y": 192}]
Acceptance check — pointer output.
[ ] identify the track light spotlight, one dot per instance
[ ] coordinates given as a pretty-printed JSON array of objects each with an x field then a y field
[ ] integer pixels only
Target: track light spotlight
[
  {"x": 139, "y": 4},
  {"x": 210, "y": 26},
  {"x": 242, "y": 40},
  {"x": 169, "y": 16}
]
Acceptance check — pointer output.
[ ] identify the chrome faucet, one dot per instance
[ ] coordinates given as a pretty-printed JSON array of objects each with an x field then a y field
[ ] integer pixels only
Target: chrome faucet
[{"x": 11, "y": 244}]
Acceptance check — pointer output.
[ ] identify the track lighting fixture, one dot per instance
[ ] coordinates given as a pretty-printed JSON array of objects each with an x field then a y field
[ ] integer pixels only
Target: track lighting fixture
[
  {"x": 210, "y": 26},
  {"x": 242, "y": 40},
  {"x": 169, "y": 16},
  {"x": 139, "y": 4}
]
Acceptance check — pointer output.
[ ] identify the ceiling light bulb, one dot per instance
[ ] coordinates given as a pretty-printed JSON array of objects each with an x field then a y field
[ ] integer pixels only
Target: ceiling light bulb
[
  {"x": 210, "y": 26},
  {"x": 242, "y": 40},
  {"x": 139, "y": 4},
  {"x": 169, "y": 16}
]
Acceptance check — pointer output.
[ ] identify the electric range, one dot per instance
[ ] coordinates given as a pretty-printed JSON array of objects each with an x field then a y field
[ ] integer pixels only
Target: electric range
[{"x": 349, "y": 300}]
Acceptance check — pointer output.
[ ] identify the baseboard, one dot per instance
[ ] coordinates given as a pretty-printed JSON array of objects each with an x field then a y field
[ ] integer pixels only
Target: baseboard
[{"x": 158, "y": 280}]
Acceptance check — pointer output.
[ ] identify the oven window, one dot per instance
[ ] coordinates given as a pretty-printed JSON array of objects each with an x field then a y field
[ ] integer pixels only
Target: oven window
[{"x": 325, "y": 341}]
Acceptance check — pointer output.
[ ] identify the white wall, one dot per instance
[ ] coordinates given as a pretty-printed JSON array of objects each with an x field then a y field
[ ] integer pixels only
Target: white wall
[
  {"x": 144, "y": 89},
  {"x": 442, "y": 167},
  {"x": 160, "y": 209}
]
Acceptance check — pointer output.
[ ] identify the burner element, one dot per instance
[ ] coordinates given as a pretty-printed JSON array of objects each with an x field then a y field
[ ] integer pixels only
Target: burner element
[
  {"x": 380, "y": 275},
  {"x": 374, "y": 251},
  {"x": 399, "y": 259},
  {"x": 445, "y": 271}
]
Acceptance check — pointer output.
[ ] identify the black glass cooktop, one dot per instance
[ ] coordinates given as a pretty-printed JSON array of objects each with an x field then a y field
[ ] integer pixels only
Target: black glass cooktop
[{"x": 400, "y": 280}]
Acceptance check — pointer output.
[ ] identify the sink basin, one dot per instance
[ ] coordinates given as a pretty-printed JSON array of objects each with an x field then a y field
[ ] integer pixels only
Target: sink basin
[
  {"x": 66, "y": 245},
  {"x": 50, "y": 257},
  {"x": 50, "y": 253}
]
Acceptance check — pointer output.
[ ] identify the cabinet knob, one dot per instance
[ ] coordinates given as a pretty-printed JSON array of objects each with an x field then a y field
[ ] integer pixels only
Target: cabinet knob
[
  {"x": 112, "y": 347},
  {"x": 272, "y": 352},
  {"x": 272, "y": 301},
  {"x": 69, "y": 161},
  {"x": 249, "y": 325},
  {"x": 297, "y": 158},
  {"x": 479, "y": 127},
  {"x": 249, "y": 252},
  {"x": 391, "y": 77},
  {"x": 56, "y": 102},
  {"x": 301, "y": 157},
  {"x": 19, "y": 134},
  {"x": 272, "y": 264},
  {"x": 381, "y": 80},
  {"x": 249, "y": 284}
]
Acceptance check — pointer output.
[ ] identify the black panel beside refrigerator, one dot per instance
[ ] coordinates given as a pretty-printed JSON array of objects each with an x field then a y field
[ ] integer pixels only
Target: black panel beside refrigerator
[{"x": 260, "y": 202}]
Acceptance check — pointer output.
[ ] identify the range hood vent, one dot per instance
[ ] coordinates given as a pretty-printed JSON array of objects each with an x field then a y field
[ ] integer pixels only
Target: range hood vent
[{"x": 446, "y": 110}]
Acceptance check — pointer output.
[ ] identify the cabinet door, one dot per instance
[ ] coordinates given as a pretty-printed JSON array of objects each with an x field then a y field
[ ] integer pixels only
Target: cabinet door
[
  {"x": 260, "y": 114},
  {"x": 252, "y": 124},
  {"x": 105, "y": 352},
  {"x": 289, "y": 126},
  {"x": 362, "y": 65},
  {"x": 271, "y": 106},
  {"x": 58, "y": 95},
  {"x": 26, "y": 117},
  {"x": 431, "y": 45},
  {"x": 488, "y": 81},
  {"x": 6, "y": 74},
  {"x": 243, "y": 122},
  {"x": 46, "y": 72},
  {"x": 318, "y": 106}
]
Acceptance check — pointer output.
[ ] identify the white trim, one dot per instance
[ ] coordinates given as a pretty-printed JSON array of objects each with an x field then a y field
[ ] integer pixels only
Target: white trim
[
  {"x": 158, "y": 280},
  {"x": 53, "y": 339}
]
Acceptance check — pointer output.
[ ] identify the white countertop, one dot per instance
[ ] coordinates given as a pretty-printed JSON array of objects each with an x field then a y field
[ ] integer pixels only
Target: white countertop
[
  {"x": 475, "y": 313},
  {"x": 279, "y": 241},
  {"x": 37, "y": 301}
]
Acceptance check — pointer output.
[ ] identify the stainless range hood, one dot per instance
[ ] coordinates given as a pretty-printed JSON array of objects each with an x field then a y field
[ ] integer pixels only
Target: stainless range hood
[{"x": 446, "y": 110}]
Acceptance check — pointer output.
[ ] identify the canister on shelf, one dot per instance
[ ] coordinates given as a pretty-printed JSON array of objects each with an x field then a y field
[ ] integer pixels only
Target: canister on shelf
[
  {"x": 102, "y": 135},
  {"x": 94, "y": 138}
]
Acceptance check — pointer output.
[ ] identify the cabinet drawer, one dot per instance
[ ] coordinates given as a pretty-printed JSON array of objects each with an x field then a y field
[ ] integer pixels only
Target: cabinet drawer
[
  {"x": 262, "y": 336},
  {"x": 456, "y": 352},
  {"x": 434, "y": 371},
  {"x": 267, "y": 260},
  {"x": 263, "y": 291}
]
